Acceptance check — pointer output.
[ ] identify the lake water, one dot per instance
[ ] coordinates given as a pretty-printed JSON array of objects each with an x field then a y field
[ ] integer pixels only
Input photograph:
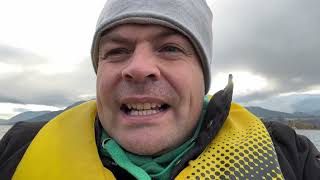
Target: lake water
[{"x": 313, "y": 135}]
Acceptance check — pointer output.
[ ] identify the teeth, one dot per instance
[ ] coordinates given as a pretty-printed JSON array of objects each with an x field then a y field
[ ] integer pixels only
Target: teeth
[
  {"x": 153, "y": 105},
  {"x": 143, "y": 109},
  {"x": 139, "y": 106},
  {"x": 147, "y": 106},
  {"x": 143, "y": 112},
  {"x": 143, "y": 106},
  {"x": 135, "y": 113}
]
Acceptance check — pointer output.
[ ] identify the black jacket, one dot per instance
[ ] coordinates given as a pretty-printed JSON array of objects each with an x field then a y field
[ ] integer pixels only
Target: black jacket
[{"x": 298, "y": 157}]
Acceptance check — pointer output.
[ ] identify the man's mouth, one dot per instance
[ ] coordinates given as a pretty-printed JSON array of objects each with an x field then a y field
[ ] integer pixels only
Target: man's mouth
[{"x": 143, "y": 109}]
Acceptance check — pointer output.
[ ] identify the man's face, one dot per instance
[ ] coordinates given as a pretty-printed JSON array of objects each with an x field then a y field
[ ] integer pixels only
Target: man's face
[{"x": 150, "y": 87}]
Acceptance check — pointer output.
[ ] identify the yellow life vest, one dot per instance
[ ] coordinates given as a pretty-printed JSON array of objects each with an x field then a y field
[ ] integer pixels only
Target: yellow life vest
[{"x": 65, "y": 149}]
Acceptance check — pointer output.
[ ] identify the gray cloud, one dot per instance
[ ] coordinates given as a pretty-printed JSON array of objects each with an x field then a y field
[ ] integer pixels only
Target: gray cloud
[
  {"x": 9, "y": 99},
  {"x": 32, "y": 87},
  {"x": 12, "y": 55},
  {"x": 276, "y": 39},
  {"x": 310, "y": 103}
]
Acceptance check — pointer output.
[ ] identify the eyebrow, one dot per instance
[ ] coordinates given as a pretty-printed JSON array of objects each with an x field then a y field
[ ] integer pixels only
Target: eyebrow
[
  {"x": 167, "y": 33},
  {"x": 118, "y": 38},
  {"x": 115, "y": 37}
]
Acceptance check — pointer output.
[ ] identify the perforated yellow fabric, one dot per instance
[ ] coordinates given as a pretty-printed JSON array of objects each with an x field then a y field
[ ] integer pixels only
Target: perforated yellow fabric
[
  {"x": 242, "y": 149},
  {"x": 65, "y": 149}
]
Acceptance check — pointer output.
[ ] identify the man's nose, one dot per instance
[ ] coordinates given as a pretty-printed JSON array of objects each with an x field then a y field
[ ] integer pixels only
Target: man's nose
[{"x": 142, "y": 66}]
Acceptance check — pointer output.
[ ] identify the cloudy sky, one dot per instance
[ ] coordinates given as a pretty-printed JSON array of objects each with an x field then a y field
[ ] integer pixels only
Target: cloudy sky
[{"x": 271, "y": 47}]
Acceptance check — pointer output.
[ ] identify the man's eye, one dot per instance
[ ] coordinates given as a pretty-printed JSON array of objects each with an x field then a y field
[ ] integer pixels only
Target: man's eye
[
  {"x": 116, "y": 53},
  {"x": 171, "y": 49}
]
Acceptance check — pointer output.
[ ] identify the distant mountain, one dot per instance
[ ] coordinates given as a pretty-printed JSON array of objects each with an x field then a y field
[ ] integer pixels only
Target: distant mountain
[
  {"x": 302, "y": 114},
  {"x": 36, "y": 116},
  {"x": 316, "y": 112},
  {"x": 3, "y": 121},
  {"x": 266, "y": 113},
  {"x": 45, "y": 117},
  {"x": 31, "y": 116},
  {"x": 299, "y": 120},
  {"x": 27, "y": 115},
  {"x": 308, "y": 113}
]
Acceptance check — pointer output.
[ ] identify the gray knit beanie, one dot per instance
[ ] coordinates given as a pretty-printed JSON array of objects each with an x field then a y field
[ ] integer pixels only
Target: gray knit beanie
[{"x": 192, "y": 18}]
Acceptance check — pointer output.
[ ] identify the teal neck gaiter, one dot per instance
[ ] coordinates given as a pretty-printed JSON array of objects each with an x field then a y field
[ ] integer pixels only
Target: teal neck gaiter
[{"x": 149, "y": 167}]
